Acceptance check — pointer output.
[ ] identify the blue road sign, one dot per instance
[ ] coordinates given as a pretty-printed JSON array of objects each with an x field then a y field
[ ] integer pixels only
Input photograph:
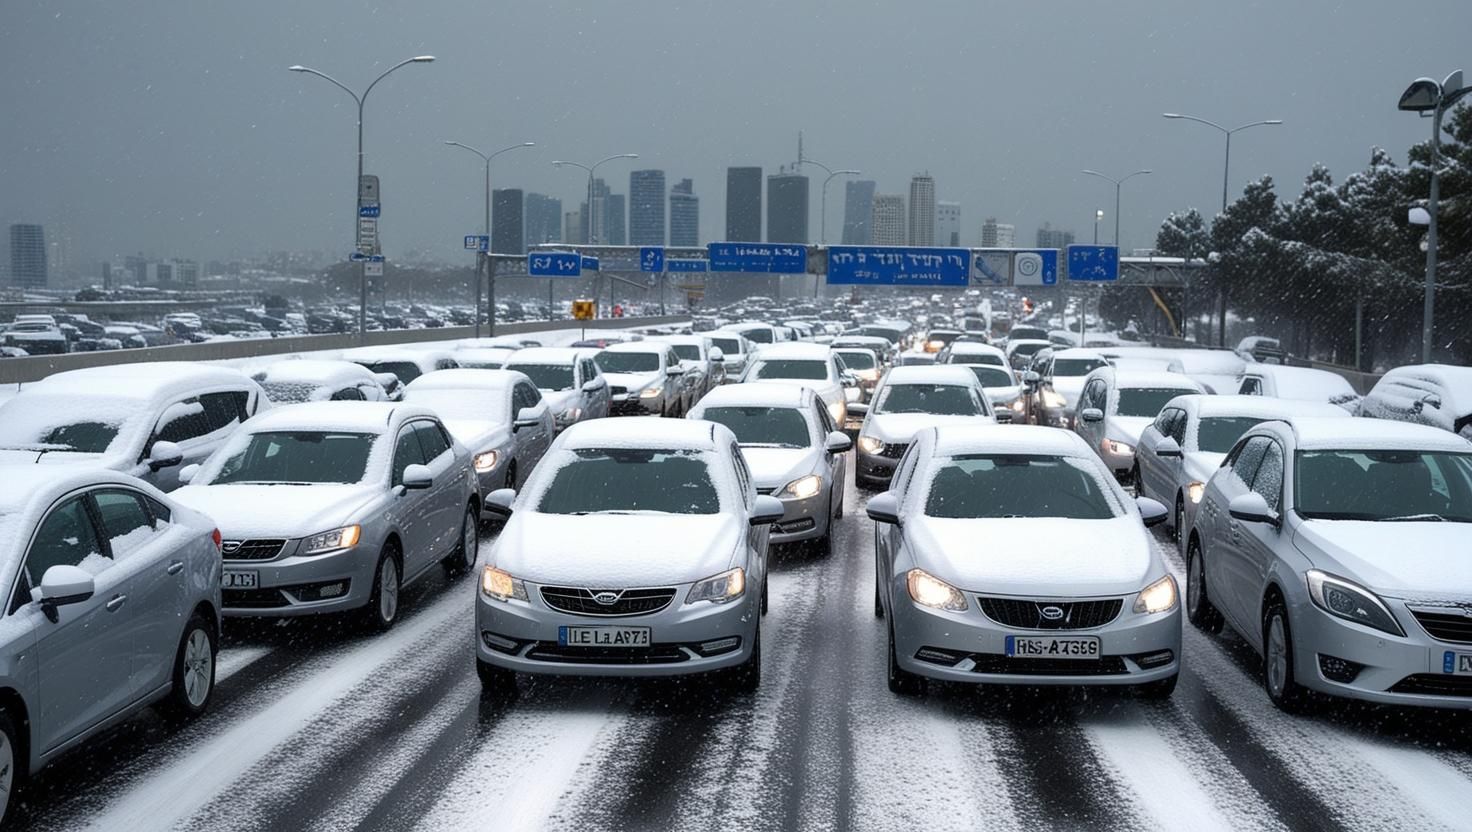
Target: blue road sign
[
  {"x": 590, "y": 264},
  {"x": 673, "y": 265},
  {"x": 1035, "y": 267},
  {"x": 477, "y": 242},
  {"x": 375, "y": 258},
  {"x": 898, "y": 266},
  {"x": 758, "y": 258},
  {"x": 651, "y": 259},
  {"x": 1094, "y": 264},
  {"x": 368, "y": 210},
  {"x": 358, "y": 257},
  {"x": 554, "y": 264}
]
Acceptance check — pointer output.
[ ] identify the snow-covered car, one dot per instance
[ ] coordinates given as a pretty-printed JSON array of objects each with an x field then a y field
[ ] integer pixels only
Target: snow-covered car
[
  {"x": 571, "y": 382},
  {"x": 405, "y": 363},
  {"x": 971, "y": 352},
  {"x": 735, "y": 351},
  {"x": 336, "y": 506},
  {"x": 145, "y": 420},
  {"x": 882, "y": 347},
  {"x": 1260, "y": 348},
  {"x": 1009, "y": 555},
  {"x": 1439, "y": 395},
  {"x": 804, "y": 365},
  {"x": 1333, "y": 547},
  {"x": 760, "y": 335},
  {"x": 316, "y": 380},
  {"x": 36, "y": 334},
  {"x": 794, "y": 450},
  {"x": 498, "y": 415},
  {"x": 705, "y": 362},
  {"x": 1061, "y": 381},
  {"x": 562, "y": 594},
  {"x": 865, "y": 365},
  {"x": 645, "y": 379},
  {"x": 483, "y": 358},
  {"x": 1116, "y": 406},
  {"x": 1299, "y": 384},
  {"x": 908, "y": 401},
  {"x": 1187, "y": 442},
  {"x": 1021, "y": 351}
]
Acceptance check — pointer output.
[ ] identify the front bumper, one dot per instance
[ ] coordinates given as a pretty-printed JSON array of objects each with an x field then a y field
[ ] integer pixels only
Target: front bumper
[
  {"x": 635, "y": 405},
  {"x": 802, "y": 519},
  {"x": 302, "y": 585},
  {"x": 874, "y": 470}
]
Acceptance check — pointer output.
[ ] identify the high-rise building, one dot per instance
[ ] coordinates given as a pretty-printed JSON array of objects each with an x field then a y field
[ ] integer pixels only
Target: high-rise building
[
  {"x": 543, "y": 223},
  {"x": 998, "y": 234},
  {"x": 161, "y": 274},
  {"x": 744, "y": 204},
  {"x": 887, "y": 225},
  {"x": 615, "y": 221},
  {"x": 508, "y": 221},
  {"x": 575, "y": 231},
  {"x": 186, "y": 274},
  {"x": 646, "y": 208},
  {"x": 684, "y": 214},
  {"x": 858, "y": 211},
  {"x": 948, "y": 223},
  {"x": 136, "y": 265},
  {"x": 787, "y": 207},
  {"x": 922, "y": 211},
  {"x": 1050, "y": 237},
  {"x": 27, "y": 256}
]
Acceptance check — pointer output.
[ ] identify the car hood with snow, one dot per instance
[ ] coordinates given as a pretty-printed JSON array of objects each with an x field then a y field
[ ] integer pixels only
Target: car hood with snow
[
  {"x": 633, "y": 381},
  {"x": 775, "y": 467},
  {"x": 617, "y": 551},
  {"x": 900, "y": 428},
  {"x": 278, "y": 510},
  {"x": 1127, "y": 428},
  {"x": 1409, "y": 560},
  {"x": 1069, "y": 387}
]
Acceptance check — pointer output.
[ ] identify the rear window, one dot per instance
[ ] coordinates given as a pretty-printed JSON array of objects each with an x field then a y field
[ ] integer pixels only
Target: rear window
[
  {"x": 296, "y": 458},
  {"x": 858, "y": 360},
  {"x": 791, "y": 368},
  {"x": 991, "y": 376},
  {"x": 1006, "y": 485},
  {"x": 546, "y": 376},
  {"x": 1145, "y": 401},
  {"x": 779, "y": 427},
  {"x": 625, "y": 481}
]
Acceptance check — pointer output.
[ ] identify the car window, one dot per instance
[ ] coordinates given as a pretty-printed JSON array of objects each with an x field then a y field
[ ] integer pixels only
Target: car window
[
  {"x": 903, "y": 472},
  {"x": 66, "y": 537},
  {"x": 759, "y": 425},
  {"x": 161, "y": 513},
  {"x": 126, "y": 521},
  {"x": 299, "y": 457},
  {"x": 1268, "y": 481},
  {"x": 1178, "y": 426},
  {"x": 937, "y": 399},
  {"x": 825, "y": 419},
  {"x": 1248, "y": 458},
  {"x": 1018, "y": 485},
  {"x": 624, "y": 480},
  {"x": 743, "y": 474},
  {"x": 407, "y": 451},
  {"x": 349, "y": 394},
  {"x": 223, "y": 410},
  {"x": 182, "y": 421},
  {"x": 446, "y": 364},
  {"x": 431, "y": 439},
  {"x": 589, "y": 370},
  {"x": 1251, "y": 386},
  {"x": 1162, "y": 422},
  {"x": 791, "y": 368},
  {"x": 546, "y": 376}
]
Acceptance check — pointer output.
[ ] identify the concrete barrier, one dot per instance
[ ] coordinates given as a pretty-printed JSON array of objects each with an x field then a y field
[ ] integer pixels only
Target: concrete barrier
[{"x": 37, "y": 367}]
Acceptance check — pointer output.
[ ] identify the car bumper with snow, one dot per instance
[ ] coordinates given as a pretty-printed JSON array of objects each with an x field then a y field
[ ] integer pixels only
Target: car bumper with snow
[{"x": 300, "y": 585}]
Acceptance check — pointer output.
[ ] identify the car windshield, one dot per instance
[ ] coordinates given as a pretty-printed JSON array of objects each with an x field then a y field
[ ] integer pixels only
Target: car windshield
[
  {"x": 974, "y": 358},
  {"x": 791, "y": 368},
  {"x": 1017, "y": 485},
  {"x": 1384, "y": 485},
  {"x": 405, "y": 371},
  {"x": 1217, "y": 434},
  {"x": 57, "y": 423},
  {"x": 1027, "y": 349},
  {"x": 780, "y": 427},
  {"x": 759, "y": 335},
  {"x": 937, "y": 399},
  {"x": 546, "y": 376},
  {"x": 1077, "y": 366},
  {"x": 1145, "y": 401},
  {"x": 729, "y": 346},
  {"x": 991, "y": 376},
  {"x": 621, "y": 481},
  {"x": 858, "y": 360},
  {"x": 296, "y": 458},
  {"x": 628, "y": 362},
  {"x": 687, "y": 352}
]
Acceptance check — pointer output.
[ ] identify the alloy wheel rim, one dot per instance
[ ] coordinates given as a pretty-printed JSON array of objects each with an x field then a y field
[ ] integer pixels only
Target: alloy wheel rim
[
  {"x": 388, "y": 590},
  {"x": 7, "y": 770},
  {"x": 1193, "y": 582},
  {"x": 198, "y": 668},
  {"x": 1180, "y": 519},
  {"x": 468, "y": 545},
  {"x": 1277, "y": 656}
]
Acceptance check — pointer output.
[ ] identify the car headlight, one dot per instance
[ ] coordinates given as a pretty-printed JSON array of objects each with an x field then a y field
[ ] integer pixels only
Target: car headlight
[
  {"x": 867, "y": 375},
  {"x": 1016, "y": 405},
  {"x": 718, "y": 589},
  {"x": 650, "y": 392},
  {"x": 485, "y": 461},
  {"x": 870, "y": 445},
  {"x": 498, "y": 584},
  {"x": 934, "y": 346},
  {"x": 805, "y": 487},
  {"x": 1118, "y": 448},
  {"x": 1352, "y": 602},
  {"x": 572, "y": 414},
  {"x": 836, "y": 411},
  {"x": 1051, "y": 399},
  {"x": 1157, "y": 597},
  {"x": 930, "y": 591},
  {"x": 1194, "y": 490},
  {"x": 343, "y": 538}
]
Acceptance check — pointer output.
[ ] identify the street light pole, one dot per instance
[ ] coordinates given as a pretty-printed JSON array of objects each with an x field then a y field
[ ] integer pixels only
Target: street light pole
[
  {"x": 483, "y": 258},
  {"x": 592, "y": 227},
  {"x": 1117, "y": 184},
  {"x": 360, "y": 100},
  {"x": 1098, "y": 215},
  {"x": 823, "y": 209}
]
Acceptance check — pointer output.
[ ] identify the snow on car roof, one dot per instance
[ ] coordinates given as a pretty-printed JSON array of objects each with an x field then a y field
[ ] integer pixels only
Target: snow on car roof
[
  {"x": 756, "y": 394},
  {"x": 548, "y": 355},
  {"x": 975, "y": 348},
  {"x": 931, "y": 374},
  {"x": 422, "y": 357},
  {"x": 795, "y": 350},
  {"x": 656, "y": 347},
  {"x": 1372, "y": 434},
  {"x": 153, "y": 380},
  {"x": 1266, "y": 407},
  {"x": 315, "y": 371},
  {"x": 1414, "y": 381},
  {"x": 640, "y": 432},
  {"x": 680, "y": 339},
  {"x": 29, "y": 484},
  {"x": 349, "y": 417},
  {"x": 1146, "y": 378},
  {"x": 464, "y": 379},
  {"x": 1304, "y": 382},
  {"x": 951, "y": 440},
  {"x": 1079, "y": 352}
]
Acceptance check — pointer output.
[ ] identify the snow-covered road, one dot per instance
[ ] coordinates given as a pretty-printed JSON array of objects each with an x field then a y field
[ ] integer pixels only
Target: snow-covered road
[{"x": 319, "y": 728}]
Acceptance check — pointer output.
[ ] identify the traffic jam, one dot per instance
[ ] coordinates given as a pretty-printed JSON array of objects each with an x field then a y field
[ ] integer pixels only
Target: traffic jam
[{"x": 1039, "y": 516}]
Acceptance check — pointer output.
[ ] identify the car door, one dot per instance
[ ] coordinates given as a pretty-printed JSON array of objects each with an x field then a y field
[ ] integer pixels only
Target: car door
[
  {"x": 1091, "y": 397},
  {"x": 757, "y": 537},
  {"x": 151, "y": 574},
  {"x": 1256, "y": 545},
  {"x": 1227, "y": 572},
  {"x": 826, "y": 426},
  {"x": 531, "y": 442},
  {"x": 410, "y": 508},
  {"x": 1150, "y": 464},
  {"x": 444, "y": 501},
  {"x": 595, "y": 404},
  {"x": 84, "y": 656},
  {"x": 888, "y": 537}
]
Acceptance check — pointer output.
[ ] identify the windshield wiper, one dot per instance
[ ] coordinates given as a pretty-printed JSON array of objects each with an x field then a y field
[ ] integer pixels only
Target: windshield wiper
[{"x": 1408, "y": 518}]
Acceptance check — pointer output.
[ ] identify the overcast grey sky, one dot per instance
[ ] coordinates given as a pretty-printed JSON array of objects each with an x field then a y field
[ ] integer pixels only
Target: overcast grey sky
[{"x": 173, "y": 127}]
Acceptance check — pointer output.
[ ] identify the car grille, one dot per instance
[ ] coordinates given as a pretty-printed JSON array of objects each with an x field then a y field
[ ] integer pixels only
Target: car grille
[
  {"x": 617, "y": 391},
  {"x": 251, "y": 549},
  {"x": 1454, "y": 627},
  {"x": 551, "y": 651},
  {"x": 893, "y": 451},
  {"x": 580, "y": 601},
  {"x": 1077, "y": 615},
  {"x": 254, "y": 598},
  {"x": 1103, "y": 666},
  {"x": 1434, "y": 684}
]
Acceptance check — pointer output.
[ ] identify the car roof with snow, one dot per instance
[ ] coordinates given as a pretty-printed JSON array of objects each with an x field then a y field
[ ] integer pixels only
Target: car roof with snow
[
  {"x": 1014, "y": 343},
  {"x": 1416, "y": 380},
  {"x": 790, "y": 350},
  {"x": 1267, "y": 407},
  {"x": 641, "y": 432},
  {"x": 975, "y": 348},
  {"x": 424, "y": 358},
  {"x": 960, "y": 375},
  {"x": 26, "y": 484},
  {"x": 1373, "y": 434},
  {"x": 1079, "y": 352},
  {"x": 656, "y": 347},
  {"x": 561, "y": 356},
  {"x": 1144, "y": 379},
  {"x": 756, "y": 394},
  {"x": 348, "y": 417},
  {"x": 464, "y": 379},
  {"x": 953, "y": 440},
  {"x": 314, "y": 371},
  {"x": 143, "y": 381},
  {"x": 698, "y": 340}
]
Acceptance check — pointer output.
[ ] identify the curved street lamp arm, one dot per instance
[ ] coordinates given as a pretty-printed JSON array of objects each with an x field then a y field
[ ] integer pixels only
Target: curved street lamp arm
[
  {"x": 1198, "y": 120},
  {"x": 471, "y": 149},
  {"x": 1257, "y": 124},
  {"x": 557, "y": 163},
  {"x": 404, "y": 62},
  {"x": 819, "y": 164},
  {"x": 340, "y": 85},
  {"x": 512, "y": 147}
]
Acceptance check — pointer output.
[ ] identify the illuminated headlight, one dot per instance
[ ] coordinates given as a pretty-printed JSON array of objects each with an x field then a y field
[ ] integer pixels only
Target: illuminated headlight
[
  {"x": 1052, "y": 399},
  {"x": 870, "y": 445},
  {"x": 930, "y": 591},
  {"x": 572, "y": 414},
  {"x": 650, "y": 392},
  {"x": 1118, "y": 448},
  {"x": 1194, "y": 490},
  {"x": 1352, "y": 602},
  {"x": 498, "y": 584},
  {"x": 1157, "y": 597},
  {"x": 1015, "y": 404},
  {"x": 718, "y": 589},
  {"x": 804, "y": 488},
  {"x": 934, "y": 346},
  {"x": 836, "y": 411},
  {"x": 485, "y": 461},
  {"x": 343, "y": 538},
  {"x": 867, "y": 375}
]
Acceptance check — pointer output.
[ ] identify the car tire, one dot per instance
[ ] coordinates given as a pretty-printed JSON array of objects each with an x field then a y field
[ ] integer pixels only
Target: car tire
[
  {"x": 194, "y": 670},
  {"x": 1158, "y": 689},
  {"x": 510, "y": 475},
  {"x": 747, "y": 676},
  {"x": 1277, "y": 661},
  {"x": 1134, "y": 481},
  {"x": 838, "y": 503},
  {"x": 902, "y": 681},
  {"x": 1199, "y": 610},
  {"x": 382, "y": 609},
  {"x": 495, "y": 680},
  {"x": 764, "y": 595},
  {"x": 467, "y": 551},
  {"x": 1180, "y": 520},
  {"x": 13, "y": 765}
]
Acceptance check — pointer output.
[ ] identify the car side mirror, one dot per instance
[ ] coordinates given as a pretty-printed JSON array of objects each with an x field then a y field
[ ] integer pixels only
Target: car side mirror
[
  {"x": 1168, "y": 448},
  {"x": 858, "y": 409},
  {"x": 1252, "y": 507},
  {"x": 499, "y": 502},
  {"x": 186, "y": 474},
  {"x": 418, "y": 478},
  {"x": 717, "y": 354},
  {"x": 884, "y": 508},
  {"x": 64, "y": 584},
  {"x": 164, "y": 455},
  {"x": 1152, "y": 512},
  {"x": 766, "y": 511},
  {"x": 593, "y": 385},
  {"x": 1092, "y": 414},
  {"x": 527, "y": 417},
  {"x": 849, "y": 379},
  {"x": 838, "y": 442}
]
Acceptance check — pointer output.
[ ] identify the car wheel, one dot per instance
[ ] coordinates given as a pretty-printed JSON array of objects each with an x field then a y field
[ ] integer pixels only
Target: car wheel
[
  {"x": 194, "y": 670},
  {"x": 1180, "y": 521},
  {"x": 838, "y": 500},
  {"x": 764, "y": 595},
  {"x": 495, "y": 680},
  {"x": 1277, "y": 660},
  {"x": 382, "y": 609},
  {"x": 747, "y": 676},
  {"x": 467, "y": 551},
  {"x": 1158, "y": 689},
  {"x": 902, "y": 681},
  {"x": 1135, "y": 480},
  {"x": 13, "y": 765},
  {"x": 510, "y": 475},
  {"x": 1199, "y": 609}
]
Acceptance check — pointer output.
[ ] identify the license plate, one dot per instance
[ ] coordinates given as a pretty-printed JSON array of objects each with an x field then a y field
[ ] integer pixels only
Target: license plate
[
  {"x": 1459, "y": 664},
  {"x": 603, "y": 636},
  {"x": 238, "y": 580},
  {"x": 1048, "y": 647}
]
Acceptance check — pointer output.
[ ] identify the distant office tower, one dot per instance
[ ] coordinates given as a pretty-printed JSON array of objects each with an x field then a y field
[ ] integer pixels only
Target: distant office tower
[
  {"x": 186, "y": 274},
  {"x": 136, "y": 265},
  {"x": 858, "y": 211},
  {"x": 887, "y": 226},
  {"x": 744, "y": 204},
  {"x": 543, "y": 219},
  {"x": 1050, "y": 237},
  {"x": 106, "y": 275},
  {"x": 948, "y": 223},
  {"x": 572, "y": 224},
  {"x": 646, "y": 208},
  {"x": 161, "y": 274},
  {"x": 684, "y": 214},
  {"x": 508, "y": 234},
  {"x": 922, "y": 211},
  {"x": 998, "y": 234},
  {"x": 615, "y": 221},
  {"x": 28, "y": 256},
  {"x": 787, "y": 208}
]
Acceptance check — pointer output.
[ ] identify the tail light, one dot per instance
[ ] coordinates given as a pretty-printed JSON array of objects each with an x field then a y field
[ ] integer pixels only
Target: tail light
[{"x": 215, "y": 536}]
